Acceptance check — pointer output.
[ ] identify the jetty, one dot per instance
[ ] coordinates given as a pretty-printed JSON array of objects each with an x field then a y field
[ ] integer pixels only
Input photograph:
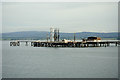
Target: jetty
[
  {"x": 76, "y": 44},
  {"x": 66, "y": 44},
  {"x": 55, "y": 41}
]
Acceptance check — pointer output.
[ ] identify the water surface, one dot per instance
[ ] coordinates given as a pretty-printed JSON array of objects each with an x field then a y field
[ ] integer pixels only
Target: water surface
[{"x": 41, "y": 62}]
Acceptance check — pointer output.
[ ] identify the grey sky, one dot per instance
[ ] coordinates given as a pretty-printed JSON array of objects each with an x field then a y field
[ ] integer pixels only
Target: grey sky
[{"x": 69, "y": 17}]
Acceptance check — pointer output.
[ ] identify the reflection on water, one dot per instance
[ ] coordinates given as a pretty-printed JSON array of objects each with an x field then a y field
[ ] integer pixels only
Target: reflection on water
[{"x": 39, "y": 62}]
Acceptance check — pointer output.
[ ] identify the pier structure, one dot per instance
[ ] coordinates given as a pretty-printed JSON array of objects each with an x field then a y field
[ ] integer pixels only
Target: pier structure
[
  {"x": 18, "y": 42},
  {"x": 76, "y": 44},
  {"x": 15, "y": 43},
  {"x": 56, "y": 42},
  {"x": 66, "y": 43}
]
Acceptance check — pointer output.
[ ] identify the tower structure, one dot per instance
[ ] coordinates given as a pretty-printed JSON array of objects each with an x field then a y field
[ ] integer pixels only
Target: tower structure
[
  {"x": 51, "y": 34},
  {"x": 54, "y": 34}
]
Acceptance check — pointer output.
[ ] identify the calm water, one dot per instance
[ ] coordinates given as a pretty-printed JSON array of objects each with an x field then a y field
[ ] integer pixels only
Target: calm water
[{"x": 37, "y": 62}]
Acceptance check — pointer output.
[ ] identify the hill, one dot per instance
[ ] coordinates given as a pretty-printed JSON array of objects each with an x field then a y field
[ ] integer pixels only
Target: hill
[{"x": 42, "y": 35}]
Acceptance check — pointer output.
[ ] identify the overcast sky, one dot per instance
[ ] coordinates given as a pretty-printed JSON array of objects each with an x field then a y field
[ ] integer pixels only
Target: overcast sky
[{"x": 68, "y": 17}]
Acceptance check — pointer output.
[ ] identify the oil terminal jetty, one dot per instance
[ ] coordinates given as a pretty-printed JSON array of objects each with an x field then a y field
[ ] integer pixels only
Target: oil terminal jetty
[{"x": 54, "y": 41}]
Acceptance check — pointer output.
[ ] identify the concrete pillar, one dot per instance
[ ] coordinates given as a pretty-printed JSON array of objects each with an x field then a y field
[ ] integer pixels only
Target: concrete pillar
[
  {"x": 87, "y": 45},
  {"x": 31, "y": 43},
  {"x": 108, "y": 44},
  {"x": 105, "y": 44},
  {"x": 11, "y": 44},
  {"x": 116, "y": 43},
  {"x": 26, "y": 43},
  {"x": 18, "y": 43}
]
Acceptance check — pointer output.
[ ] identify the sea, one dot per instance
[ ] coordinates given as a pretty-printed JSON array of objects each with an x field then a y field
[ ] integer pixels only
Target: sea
[{"x": 48, "y": 62}]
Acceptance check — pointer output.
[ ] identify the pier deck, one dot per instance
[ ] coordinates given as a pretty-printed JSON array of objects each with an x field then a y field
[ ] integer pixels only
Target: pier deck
[
  {"x": 66, "y": 44},
  {"x": 75, "y": 44}
]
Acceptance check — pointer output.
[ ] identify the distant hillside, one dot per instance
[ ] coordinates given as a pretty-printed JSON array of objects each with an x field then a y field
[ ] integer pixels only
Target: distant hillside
[{"x": 42, "y": 35}]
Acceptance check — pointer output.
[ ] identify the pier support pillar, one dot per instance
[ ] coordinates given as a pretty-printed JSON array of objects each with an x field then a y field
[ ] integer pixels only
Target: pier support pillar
[
  {"x": 108, "y": 44},
  {"x": 18, "y": 43},
  {"x": 87, "y": 45},
  {"x": 26, "y": 43},
  {"x": 105, "y": 44},
  {"x": 31, "y": 43},
  {"x": 11, "y": 44},
  {"x": 116, "y": 43}
]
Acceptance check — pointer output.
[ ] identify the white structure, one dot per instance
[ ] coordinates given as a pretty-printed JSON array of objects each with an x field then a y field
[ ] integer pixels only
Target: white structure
[
  {"x": 51, "y": 34},
  {"x": 54, "y": 34}
]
